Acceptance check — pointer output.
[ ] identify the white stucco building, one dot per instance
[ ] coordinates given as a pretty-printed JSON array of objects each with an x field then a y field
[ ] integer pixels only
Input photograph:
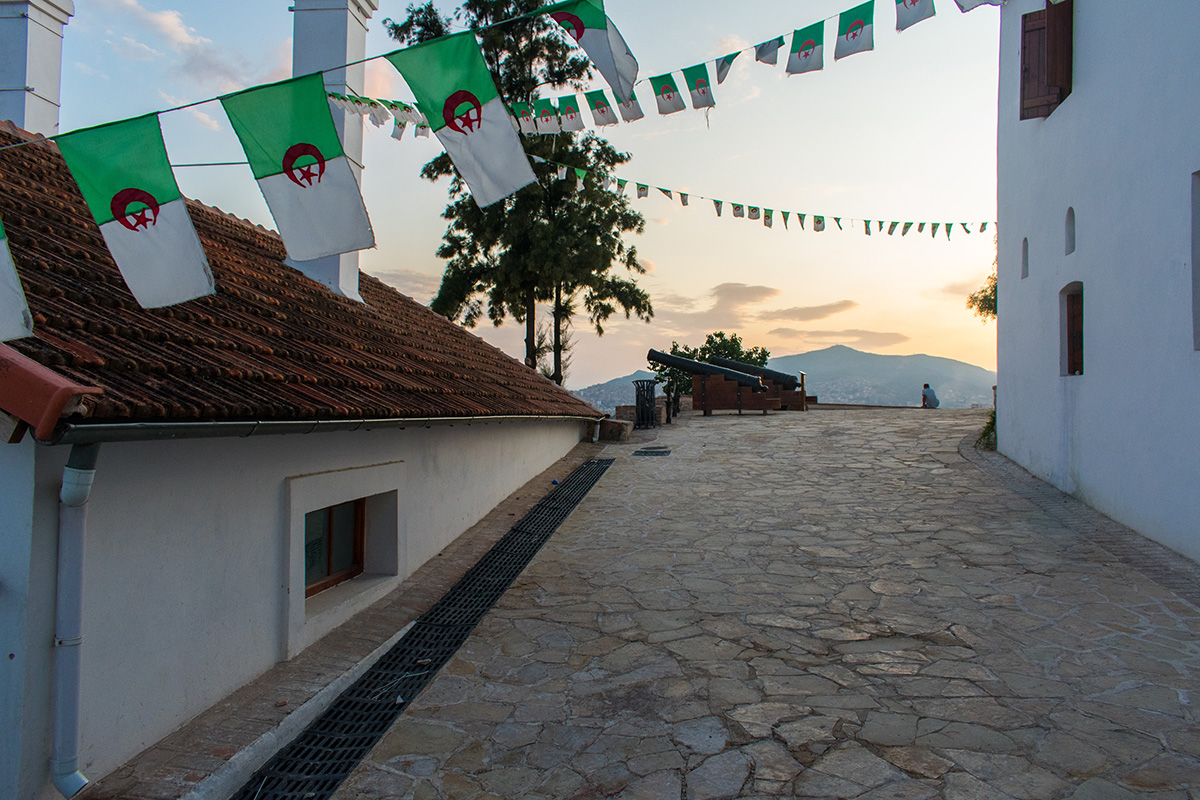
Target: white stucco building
[{"x": 1099, "y": 231}]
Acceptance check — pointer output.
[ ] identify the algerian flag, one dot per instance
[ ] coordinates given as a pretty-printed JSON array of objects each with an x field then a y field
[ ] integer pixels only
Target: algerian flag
[
  {"x": 801, "y": 217},
  {"x": 697, "y": 81},
  {"x": 934, "y": 229},
  {"x": 297, "y": 159},
  {"x": 621, "y": 184},
  {"x": 818, "y": 224},
  {"x": 683, "y": 198},
  {"x": 568, "y": 112},
  {"x": 856, "y": 30},
  {"x": 587, "y": 23},
  {"x": 910, "y": 12},
  {"x": 768, "y": 52},
  {"x": 723, "y": 65},
  {"x": 755, "y": 212},
  {"x": 892, "y": 227},
  {"x": 739, "y": 210},
  {"x": 666, "y": 193},
  {"x": 545, "y": 115},
  {"x": 631, "y": 109},
  {"x": 15, "y": 319},
  {"x": 667, "y": 94},
  {"x": 125, "y": 177},
  {"x": 455, "y": 89},
  {"x": 524, "y": 117},
  {"x": 642, "y": 190},
  {"x": 768, "y": 219},
  {"x": 784, "y": 214},
  {"x": 717, "y": 206},
  {"x": 867, "y": 227},
  {"x": 967, "y": 5},
  {"x": 580, "y": 174},
  {"x": 602, "y": 112},
  {"x": 838, "y": 220},
  {"x": 808, "y": 49}
]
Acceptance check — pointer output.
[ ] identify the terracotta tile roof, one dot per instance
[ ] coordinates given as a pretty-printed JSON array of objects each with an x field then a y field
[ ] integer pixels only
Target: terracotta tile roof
[{"x": 271, "y": 344}]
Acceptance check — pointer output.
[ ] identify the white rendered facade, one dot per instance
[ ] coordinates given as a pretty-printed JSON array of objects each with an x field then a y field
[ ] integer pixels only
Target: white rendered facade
[
  {"x": 194, "y": 577},
  {"x": 1112, "y": 174}
]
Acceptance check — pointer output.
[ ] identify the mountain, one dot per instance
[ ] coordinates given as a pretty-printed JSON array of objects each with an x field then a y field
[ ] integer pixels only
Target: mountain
[
  {"x": 617, "y": 392},
  {"x": 841, "y": 374}
]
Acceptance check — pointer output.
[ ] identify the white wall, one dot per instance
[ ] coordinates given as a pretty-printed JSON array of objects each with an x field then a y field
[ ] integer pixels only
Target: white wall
[
  {"x": 1120, "y": 150},
  {"x": 192, "y": 585}
]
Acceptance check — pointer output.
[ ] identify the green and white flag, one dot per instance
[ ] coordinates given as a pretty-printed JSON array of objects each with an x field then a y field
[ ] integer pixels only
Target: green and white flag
[
  {"x": 642, "y": 190},
  {"x": 666, "y": 92},
  {"x": 856, "y": 30},
  {"x": 818, "y": 223},
  {"x": 125, "y": 177},
  {"x": 768, "y": 217},
  {"x": 568, "y": 113},
  {"x": 808, "y": 49},
  {"x": 755, "y": 212},
  {"x": 524, "y": 118},
  {"x": 967, "y": 5},
  {"x": 724, "y": 63},
  {"x": 768, "y": 52},
  {"x": 739, "y": 210},
  {"x": 717, "y": 206},
  {"x": 545, "y": 115},
  {"x": 455, "y": 90},
  {"x": 697, "y": 82},
  {"x": 784, "y": 214},
  {"x": 631, "y": 109},
  {"x": 910, "y": 12},
  {"x": 296, "y": 157},
  {"x": 15, "y": 319},
  {"x": 588, "y": 25},
  {"x": 602, "y": 112}
]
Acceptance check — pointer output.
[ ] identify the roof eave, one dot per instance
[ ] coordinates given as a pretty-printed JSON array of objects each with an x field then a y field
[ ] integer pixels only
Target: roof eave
[{"x": 37, "y": 395}]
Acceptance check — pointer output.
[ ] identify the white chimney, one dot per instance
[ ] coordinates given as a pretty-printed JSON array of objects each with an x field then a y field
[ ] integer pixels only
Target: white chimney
[
  {"x": 327, "y": 34},
  {"x": 31, "y": 33}
]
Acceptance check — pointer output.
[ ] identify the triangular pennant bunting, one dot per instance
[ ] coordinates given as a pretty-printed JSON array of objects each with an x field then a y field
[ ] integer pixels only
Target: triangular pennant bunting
[{"x": 784, "y": 214}]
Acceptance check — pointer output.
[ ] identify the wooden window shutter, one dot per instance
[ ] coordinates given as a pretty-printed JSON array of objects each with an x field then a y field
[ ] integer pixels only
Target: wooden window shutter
[{"x": 1060, "y": 37}]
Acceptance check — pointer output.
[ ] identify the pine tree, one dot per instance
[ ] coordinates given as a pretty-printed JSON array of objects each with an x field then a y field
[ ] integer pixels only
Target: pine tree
[{"x": 548, "y": 242}]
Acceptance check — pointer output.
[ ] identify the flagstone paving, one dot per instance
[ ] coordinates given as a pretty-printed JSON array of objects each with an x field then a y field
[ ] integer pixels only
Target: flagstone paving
[{"x": 832, "y": 605}]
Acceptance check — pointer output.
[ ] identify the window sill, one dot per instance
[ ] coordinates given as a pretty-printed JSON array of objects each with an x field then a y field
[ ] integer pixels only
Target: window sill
[{"x": 330, "y": 608}]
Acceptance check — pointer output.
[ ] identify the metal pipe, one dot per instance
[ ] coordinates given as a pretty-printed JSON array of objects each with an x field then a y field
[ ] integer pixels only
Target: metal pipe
[
  {"x": 88, "y": 433},
  {"x": 68, "y": 618}
]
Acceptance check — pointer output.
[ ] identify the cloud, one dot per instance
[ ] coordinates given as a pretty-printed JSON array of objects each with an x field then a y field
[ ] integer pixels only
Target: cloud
[
  {"x": 647, "y": 264},
  {"x": 809, "y": 313},
  {"x": 421, "y": 286},
  {"x": 133, "y": 50},
  {"x": 281, "y": 62},
  {"x": 731, "y": 43},
  {"x": 88, "y": 69},
  {"x": 664, "y": 221},
  {"x": 727, "y": 312},
  {"x": 853, "y": 337},
  {"x": 199, "y": 115},
  {"x": 957, "y": 290}
]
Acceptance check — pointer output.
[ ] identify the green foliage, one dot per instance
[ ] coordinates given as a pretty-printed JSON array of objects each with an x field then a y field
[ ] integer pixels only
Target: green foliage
[
  {"x": 548, "y": 242},
  {"x": 987, "y": 436},
  {"x": 983, "y": 302},
  {"x": 677, "y": 382}
]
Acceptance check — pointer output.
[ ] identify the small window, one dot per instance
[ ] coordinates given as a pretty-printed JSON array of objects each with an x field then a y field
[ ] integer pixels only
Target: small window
[
  {"x": 1072, "y": 328},
  {"x": 1070, "y": 231},
  {"x": 333, "y": 545},
  {"x": 1025, "y": 258},
  {"x": 1047, "y": 44},
  {"x": 1196, "y": 260}
]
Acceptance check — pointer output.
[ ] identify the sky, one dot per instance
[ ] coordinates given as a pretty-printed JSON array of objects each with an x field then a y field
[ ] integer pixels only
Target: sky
[{"x": 906, "y": 132}]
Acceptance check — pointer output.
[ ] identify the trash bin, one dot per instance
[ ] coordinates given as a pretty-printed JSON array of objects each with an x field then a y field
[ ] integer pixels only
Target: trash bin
[{"x": 644, "y": 416}]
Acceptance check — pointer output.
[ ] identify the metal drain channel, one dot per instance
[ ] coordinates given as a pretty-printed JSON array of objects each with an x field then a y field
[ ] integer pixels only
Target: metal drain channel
[
  {"x": 324, "y": 755},
  {"x": 651, "y": 452}
]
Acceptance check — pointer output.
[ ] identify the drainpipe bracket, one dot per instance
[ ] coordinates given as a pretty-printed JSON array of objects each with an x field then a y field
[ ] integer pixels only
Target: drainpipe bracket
[{"x": 68, "y": 641}]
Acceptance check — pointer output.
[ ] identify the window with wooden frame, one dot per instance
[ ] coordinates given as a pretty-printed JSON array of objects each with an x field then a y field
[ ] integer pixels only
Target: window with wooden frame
[
  {"x": 1072, "y": 329},
  {"x": 333, "y": 545},
  {"x": 1047, "y": 56}
]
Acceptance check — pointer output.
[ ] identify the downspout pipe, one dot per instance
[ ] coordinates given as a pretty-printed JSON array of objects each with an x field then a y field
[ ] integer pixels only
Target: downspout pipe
[{"x": 68, "y": 618}]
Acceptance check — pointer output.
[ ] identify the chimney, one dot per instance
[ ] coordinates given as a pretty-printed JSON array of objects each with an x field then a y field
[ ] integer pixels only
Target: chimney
[
  {"x": 31, "y": 33},
  {"x": 326, "y": 34}
]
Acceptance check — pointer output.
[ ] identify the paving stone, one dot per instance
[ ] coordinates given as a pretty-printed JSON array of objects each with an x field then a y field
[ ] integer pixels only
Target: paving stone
[
  {"x": 918, "y": 760},
  {"x": 706, "y": 735},
  {"x": 857, "y": 764},
  {"x": 889, "y": 729},
  {"x": 718, "y": 777},
  {"x": 666, "y": 785},
  {"x": 1099, "y": 789}
]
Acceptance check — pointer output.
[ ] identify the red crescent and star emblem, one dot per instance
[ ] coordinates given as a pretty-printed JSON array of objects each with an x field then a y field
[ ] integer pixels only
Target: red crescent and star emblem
[
  {"x": 855, "y": 30},
  {"x": 137, "y": 220},
  {"x": 572, "y": 23},
  {"x": 602, "y": 109},
  {"x": 911, "y": 3},
  {"x": 470, "y": 119},
  {"x": 667, "y": 93},
  {"x": 808, "y": 48},
  {"x": 308, "y": 174},
  {"x": 701, "y": 86}
]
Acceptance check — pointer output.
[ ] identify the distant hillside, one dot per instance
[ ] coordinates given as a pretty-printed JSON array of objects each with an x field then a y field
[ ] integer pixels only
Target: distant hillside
[
  {"x": 841, "y": 374},
  {"x": 617, "y": 392}
]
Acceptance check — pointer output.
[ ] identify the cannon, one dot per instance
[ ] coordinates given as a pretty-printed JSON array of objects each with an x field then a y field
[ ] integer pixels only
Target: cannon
[
  {"x": 782, "y": 379},
  {"x": 700, "y": 368}
]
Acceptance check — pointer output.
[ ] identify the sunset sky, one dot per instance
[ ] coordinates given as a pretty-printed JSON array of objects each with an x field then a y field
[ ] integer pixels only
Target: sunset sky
[{"x": 906, "y": 132}]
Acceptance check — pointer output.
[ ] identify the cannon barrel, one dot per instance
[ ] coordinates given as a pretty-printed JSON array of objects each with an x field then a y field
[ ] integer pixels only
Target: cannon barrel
[
  {"x": 782, "y": 379},
  {"x": 700, "y": 368}
]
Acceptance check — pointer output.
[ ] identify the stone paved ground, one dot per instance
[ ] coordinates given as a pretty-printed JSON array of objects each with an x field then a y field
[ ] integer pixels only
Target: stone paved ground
[{"x": 833, "y": 604}]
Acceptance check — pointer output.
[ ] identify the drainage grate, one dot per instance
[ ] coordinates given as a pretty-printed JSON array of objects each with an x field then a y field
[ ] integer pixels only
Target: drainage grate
[
  {"x": 651, "y": 452},
  {"x": 324, "y": 755}
]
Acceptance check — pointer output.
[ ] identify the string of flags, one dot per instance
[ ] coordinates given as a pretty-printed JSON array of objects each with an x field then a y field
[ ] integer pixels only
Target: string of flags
[
  {"x": 286, "y": 130},
  {"x": 819, "y": 222}
]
